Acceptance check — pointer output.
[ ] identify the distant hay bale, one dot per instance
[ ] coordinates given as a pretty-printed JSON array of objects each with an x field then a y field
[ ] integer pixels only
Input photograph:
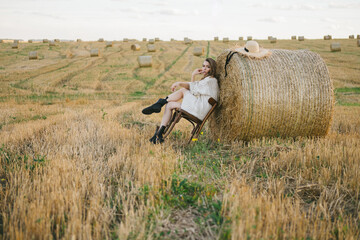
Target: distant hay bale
[
  {"x": 293, "y": 37},
  {"x": 144, "y": 39},
  {"x": 241, "y": 38},
  {"x": 287, "y": 94},
  {"x": 101, "y": 40},
  {"x": 249, "y": 38},
  {"x": 172, "y": 39},
  {"x": 152, "y": 41},
  {"x": 301, "y": 38},
  {"x": 358, "y": 36},
  {"x": 57, "y": 40},
  {"x": 16, "y": 41},
  {"x": 157, "y": 39},
  {"x": 135, "y": 47},
  {"x": 15, "y": 45},
  {"x": 358, "y": 42},
  {"x": 216, "y": 38},
  {"x": 30, "y": 41},
  {"x": 45, "y": 41},
  {"x": 269, "y": 37},
  {"x": 51, "y": 43},
  {"x": 198, "y": 51},
  {"x": 351, "y": 36},
  {"x": 225, "y": 39},
  {"x": 125, "y": 40},
  {"x": 327, "y": 37},
  {"x": 188, "y": 41},
  {"x": 185, "y": 38},
  {"x": 335, "y": 47},
  {"x": 151, "y": 48},
  {"x": 109, "y": 44},
  {"x": 273, "y": 40},
  {"x": 94, "y": 52},
  {"x": 33, "y": 55},
  {"x": 78, "y": 40},
  {"x": 145, "y": 61}
]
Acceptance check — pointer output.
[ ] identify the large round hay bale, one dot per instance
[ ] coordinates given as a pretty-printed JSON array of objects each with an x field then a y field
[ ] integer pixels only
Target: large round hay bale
[
  {"x": 287, "y": 94},
  {"x": 198, "y": 51},
  {"x": 94, "y": 52},
  {"x": 135, "y": 47},
  {"x": 216, "y": 38},
  {"x": 358, "y": 42},
  {"x": 145, "y": 61},
  {"x": 33, "y": 55},
  {"x": 293, "y": 37},
  {"x": 152, "y": 41},
  {"x": 151, "y": 48},
  {"x": 335, "y": 47},
  {"x": 225, "y": 39},
  {"x": 351, "y": 37},
  {"x": 301, "y": 38}
]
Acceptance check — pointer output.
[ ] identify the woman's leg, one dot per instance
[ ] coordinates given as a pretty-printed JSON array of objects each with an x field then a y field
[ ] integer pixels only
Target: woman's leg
[
  {"x": 176, "y": 96},
  {"x": 167, "y": 113}
]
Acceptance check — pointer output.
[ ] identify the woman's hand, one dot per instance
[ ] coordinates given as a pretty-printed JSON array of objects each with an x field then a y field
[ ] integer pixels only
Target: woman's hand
[
  {"x": 197, "y": 71},
  {"x": 174, "y": 86}
]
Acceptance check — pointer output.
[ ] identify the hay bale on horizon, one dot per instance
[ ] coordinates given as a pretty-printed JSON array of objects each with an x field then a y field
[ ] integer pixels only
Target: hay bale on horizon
[
  {"x": 351, "y": 36},
  {"x": 335, "y": 47},
  {"x": 94, "y": 52},
  {"x": 151, "y": 41},
  {"x": 225, "y": 39},
  {"x": 273, "y": 40},
  {"x": 188, "y": 41},
  {"x": 109, "y": 44},
  {"x": 358, "y": 36},
  {"x": 327, "y": 37},
  {"x": 51, "y": 43},
  {"x": 198, "y": 51},
  {"x": 358, "y": 42},
  {"x": 301, "y": 38},
  {"x": 78, "y": 40},
  {"x": 287, "y": 94},
  {"x": 269, "y": 37},
  {"x": 151, "y": 48},
  {"x": 172, "y": 39},
  {"x": 33, "y": 55},
  {"x": 144, "y": 39},
  {"x": 241, "y": 38},
  {"x": 45, "y": 41},
  {"x": 157, "y": 39},
  {"x": 145, "y": 61},
  {"x": 57, "y": 40},
  {"x": 293, "y": 37},
  {"x": 30, "y": 41},
  {"x": 135, "y": 47},
  {"x": 15, "y": 45},
  {"x": 125, "y": 40},
  {"x": 216, "y": 38},
  {"x": 101, "y": 40},
  {"x": 249, "y": 38}
]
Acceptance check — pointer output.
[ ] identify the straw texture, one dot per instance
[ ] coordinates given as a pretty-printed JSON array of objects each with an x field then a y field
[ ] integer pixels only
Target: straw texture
[
  {"x": 287, "y": 94},
  {"x": 33, "y": 55},
  {"x": 335, "y": 47},
  {"x": 145, "y": 61}
]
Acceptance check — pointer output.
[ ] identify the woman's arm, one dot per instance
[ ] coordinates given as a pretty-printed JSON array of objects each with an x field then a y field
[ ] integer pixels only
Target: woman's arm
[{"x": 180, "y": 84}]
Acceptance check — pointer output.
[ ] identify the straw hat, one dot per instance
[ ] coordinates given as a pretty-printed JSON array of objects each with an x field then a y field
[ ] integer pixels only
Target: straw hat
[{"x": 253, "y": 50}]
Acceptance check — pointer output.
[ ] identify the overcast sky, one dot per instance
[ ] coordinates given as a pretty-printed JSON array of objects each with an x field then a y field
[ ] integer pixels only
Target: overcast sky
[{"x": 196, "y": 19}]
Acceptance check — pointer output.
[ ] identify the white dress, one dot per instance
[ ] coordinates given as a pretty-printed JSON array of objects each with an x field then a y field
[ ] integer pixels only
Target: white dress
[{"x": 195, "y": 101}]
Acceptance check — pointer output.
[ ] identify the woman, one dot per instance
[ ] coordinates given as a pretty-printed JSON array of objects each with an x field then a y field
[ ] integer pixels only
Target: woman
[{"x": 195, "y": 95}]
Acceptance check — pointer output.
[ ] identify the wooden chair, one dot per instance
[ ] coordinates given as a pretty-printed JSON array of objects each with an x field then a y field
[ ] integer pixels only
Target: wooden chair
[{"x": 197, "y": 123}]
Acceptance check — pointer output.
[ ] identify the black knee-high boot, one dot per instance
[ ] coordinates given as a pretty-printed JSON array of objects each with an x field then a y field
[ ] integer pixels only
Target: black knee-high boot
[
  {"x": 153, "y": 139},
  {"x": 160, "y": 134},
  {"x": 156, "y": 107}
]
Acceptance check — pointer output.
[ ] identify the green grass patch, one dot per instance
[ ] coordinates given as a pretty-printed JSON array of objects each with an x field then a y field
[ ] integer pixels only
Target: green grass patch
[{"x": 348, "y": 90}]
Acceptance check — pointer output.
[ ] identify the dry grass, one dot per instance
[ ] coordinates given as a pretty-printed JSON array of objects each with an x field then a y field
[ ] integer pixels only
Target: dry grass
[{"x": 76, "y": 162}]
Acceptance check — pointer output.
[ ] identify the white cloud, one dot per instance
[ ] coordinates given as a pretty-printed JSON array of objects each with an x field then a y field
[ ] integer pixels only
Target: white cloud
[
  {"x": 294, "y": 7},
  {"x": 344, "y": 5},
  {"x": 272, "y": 19}
]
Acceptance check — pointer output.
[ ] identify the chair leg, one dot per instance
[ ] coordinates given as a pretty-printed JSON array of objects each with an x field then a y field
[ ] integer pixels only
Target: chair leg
[{"x": 172, "y": 125}]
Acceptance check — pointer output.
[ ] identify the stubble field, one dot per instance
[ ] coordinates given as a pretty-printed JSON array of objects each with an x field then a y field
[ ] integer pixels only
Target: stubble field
[{"x": 76, "y": 162}]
